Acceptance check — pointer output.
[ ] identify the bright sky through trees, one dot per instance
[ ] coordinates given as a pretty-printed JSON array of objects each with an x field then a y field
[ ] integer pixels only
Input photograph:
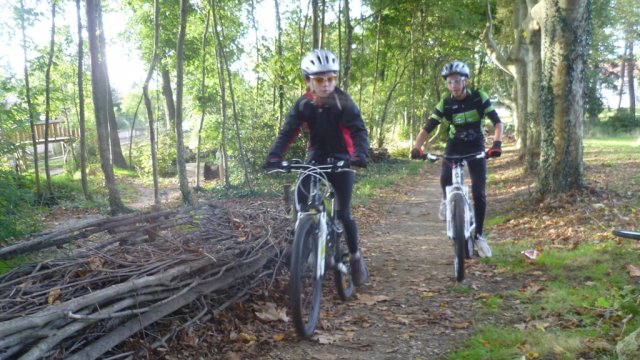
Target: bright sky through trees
[{"x": 126, "y": 69}]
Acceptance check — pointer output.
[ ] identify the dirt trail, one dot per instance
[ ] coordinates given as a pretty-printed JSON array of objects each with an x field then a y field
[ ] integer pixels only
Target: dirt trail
[{"x": 411, "y": 308}]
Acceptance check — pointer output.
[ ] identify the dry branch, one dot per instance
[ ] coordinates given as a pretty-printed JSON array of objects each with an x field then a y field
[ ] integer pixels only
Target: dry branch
[{"x": 209, "y": 251}]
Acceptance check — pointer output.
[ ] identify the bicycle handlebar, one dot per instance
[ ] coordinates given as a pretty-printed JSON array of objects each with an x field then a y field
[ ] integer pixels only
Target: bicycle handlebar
[
  {"x": 434, "y": 157},
  {"x": 299, "y": 166}
]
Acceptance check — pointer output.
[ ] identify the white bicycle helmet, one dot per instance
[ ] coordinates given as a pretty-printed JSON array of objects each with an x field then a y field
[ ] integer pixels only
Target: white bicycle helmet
[
  {"x": 456, "y": 67},
  {"x": 319, "y": 61}
]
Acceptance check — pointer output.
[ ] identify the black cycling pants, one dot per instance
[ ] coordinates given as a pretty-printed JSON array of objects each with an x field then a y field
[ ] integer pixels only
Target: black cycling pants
[
  {"x": 342, "y": 183},
  {"x": 478, "y": 173}
]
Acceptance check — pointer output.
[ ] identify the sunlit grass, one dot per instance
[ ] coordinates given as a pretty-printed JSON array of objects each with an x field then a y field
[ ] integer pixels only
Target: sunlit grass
[{"x": 572, "y": 298}]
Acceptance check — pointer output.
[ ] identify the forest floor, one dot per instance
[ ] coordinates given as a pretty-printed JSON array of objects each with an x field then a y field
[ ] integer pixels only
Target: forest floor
[{"x": 411, "y": 308}]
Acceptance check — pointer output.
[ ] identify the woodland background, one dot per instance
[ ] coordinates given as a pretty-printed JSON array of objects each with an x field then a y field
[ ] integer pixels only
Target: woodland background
[{"x": 218, "y": 86}]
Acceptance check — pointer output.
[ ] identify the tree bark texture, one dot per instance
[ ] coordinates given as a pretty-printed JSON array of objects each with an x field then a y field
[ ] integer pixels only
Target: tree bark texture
[
  {"x": 182, "y": 168},
  {"x": 169, "y": 104},
  {"x": 148, "y": 105},
  {"x": 32, "y": 120},
  {"x": 564, "y": 48},
  {"x": 47, "y": 95},
  {"x": 81, "y": 115},
  {"x": 100, "y": 87}
]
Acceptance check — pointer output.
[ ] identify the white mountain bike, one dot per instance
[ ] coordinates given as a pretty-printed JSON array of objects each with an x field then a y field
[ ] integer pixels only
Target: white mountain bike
[
  {"x": 316, "y": 247},
  {"x": 460, "y": 216}
]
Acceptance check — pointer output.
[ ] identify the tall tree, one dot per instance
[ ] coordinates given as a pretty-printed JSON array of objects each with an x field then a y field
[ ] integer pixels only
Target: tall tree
[
  {"x": 565, "y": 34},
  {"x": 315, "y": 24},
  {"x": 522, "y": 62},
  {"x": 347, "y": 46},
  {"x": 203, "y": 91},
  {"x": 100, "y": 89},
  {"x": 148, "y": 106},
  {"x": 34, "y": 141},
  {"x": 280, "y": 61},
  {"x": 180, "y": 160},
  {"x": 217, "y": 24},
  {"x": 47, "y": 95},
  {"x": 81, "y": 115},
  {"x": 117, "y": 157}
]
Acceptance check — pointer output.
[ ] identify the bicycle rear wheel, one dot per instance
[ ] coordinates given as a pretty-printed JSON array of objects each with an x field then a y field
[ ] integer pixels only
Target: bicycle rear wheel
[
  {"x": 627, "y": 234},
  {"x": 459, "y": 239},
  {"x": 305, "y": 287}
]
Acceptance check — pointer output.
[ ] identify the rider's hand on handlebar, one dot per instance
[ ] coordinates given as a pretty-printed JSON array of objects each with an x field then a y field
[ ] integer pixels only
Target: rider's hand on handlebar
[
  {"x": 273, "y": 162},
  {"x": 359, "y": 161},
  {"x": 495, "y": 150},
  {"x": 417, "y": 153}
]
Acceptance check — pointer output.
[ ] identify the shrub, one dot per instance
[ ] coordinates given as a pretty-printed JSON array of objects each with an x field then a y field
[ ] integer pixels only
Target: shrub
[
  {"x": 17, "y": 216},
  {"x": 622, "y": 122}
]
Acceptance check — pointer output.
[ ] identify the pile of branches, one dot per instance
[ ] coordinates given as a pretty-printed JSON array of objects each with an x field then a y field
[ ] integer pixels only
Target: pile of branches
[{"x": 134, "y": 271}]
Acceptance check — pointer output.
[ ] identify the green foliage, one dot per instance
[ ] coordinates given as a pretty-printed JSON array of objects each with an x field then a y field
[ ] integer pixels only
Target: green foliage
[
  {"x": 622, "y": 121},
  {"x": 17, "y": 214},
  {"x": 166, "y": 153}
]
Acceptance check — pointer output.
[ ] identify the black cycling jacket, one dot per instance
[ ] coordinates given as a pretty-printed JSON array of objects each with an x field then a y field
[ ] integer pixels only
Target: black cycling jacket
[{"x": 335, "y": 128}]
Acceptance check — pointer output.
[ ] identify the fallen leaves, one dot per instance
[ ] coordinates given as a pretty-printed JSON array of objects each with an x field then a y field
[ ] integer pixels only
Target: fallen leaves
[
  {"x": 371, "y": 299},
  {"x": 270, "y": 312}
]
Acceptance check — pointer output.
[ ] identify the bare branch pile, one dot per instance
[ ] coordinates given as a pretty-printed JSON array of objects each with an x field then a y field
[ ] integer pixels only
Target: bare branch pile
[{"x": 136, "y": 271}]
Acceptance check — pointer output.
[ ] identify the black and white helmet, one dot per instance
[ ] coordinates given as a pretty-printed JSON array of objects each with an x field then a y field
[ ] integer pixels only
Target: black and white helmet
[
  {"x": 319, "y": 61},
  {"x": 456, "y": 67}
]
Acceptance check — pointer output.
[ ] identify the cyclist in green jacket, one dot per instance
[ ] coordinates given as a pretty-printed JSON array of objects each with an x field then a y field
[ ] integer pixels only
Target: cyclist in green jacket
[{"x": 464, "y": 112}]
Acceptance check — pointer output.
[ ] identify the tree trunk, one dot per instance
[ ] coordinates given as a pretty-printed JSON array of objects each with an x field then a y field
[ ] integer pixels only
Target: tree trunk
[
  {"x": 631, "y": 81},
  {"x": 280, "y": 60},
  {"x": 34, "y": 141},
  {"x": 47, "y": 95},
  {"x": 534, "y": 71},
  {"x": 315, "y": 22},
  {"x": 323, "y": 10},
  {"x": 622, "y": 73},
  {"x": 521, "y": 63},
  {"x": 100, "y": 87},
  {"x": 114, "y": 138},
  {"x": 117, "y": 157},
  {"x": 347, "y": 47},
  {"x": 564, "y": 52},
  {"x": 243, "y": 156},
  {"x": 374, "y": 90},
  {"x": 223, "y": 105},
  {"x": 169, "y": 105},
  {"x": 182, "y": 168},
  {"x": 81, "y": 117},
  {"x": 203, "y": 89},
  {"x": 148, "y": 106}
]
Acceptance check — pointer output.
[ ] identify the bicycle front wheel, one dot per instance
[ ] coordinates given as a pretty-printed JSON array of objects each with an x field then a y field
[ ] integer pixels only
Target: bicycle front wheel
[
  {"x": 305, "y": 286},
  {"x": 342, "y": 272},
  {"x": 459, "y": 238}
]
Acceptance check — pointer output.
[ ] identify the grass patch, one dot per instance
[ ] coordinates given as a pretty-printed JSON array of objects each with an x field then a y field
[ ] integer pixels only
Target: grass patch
[{"x": 578, "y": 299}]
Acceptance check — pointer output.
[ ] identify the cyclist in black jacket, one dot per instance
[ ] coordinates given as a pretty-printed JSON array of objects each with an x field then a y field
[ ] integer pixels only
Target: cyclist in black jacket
[
  {"x": 463, "y": 113},
  {"x": 336, "y": 131}
]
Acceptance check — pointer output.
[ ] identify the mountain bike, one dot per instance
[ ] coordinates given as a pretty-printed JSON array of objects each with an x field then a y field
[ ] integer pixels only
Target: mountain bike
[
  {"x": 316, "y": 246},
  {"x": 635, "y": 235},
  {"x": 460, "y": 216}
]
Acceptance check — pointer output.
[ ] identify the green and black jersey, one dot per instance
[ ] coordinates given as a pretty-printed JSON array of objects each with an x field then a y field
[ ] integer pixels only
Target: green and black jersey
[{"x": 463, "y": 121}]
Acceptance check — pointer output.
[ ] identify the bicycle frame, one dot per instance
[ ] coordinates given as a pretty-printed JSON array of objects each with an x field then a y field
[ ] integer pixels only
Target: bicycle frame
[
  {"x": 320, "y": 189},
  {"x": 458, "y": 187}
]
